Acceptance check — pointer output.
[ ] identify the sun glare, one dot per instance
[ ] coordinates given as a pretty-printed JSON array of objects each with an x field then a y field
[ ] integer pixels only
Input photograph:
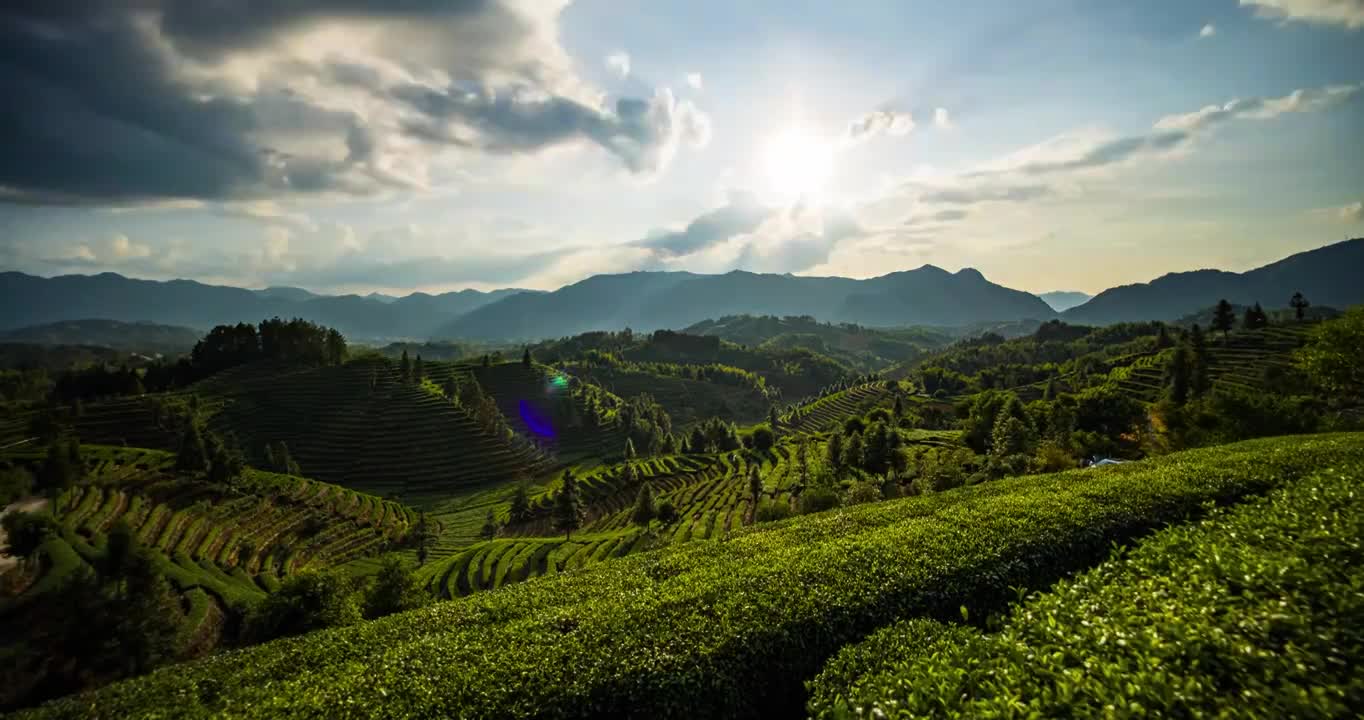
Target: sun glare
[{"x": 797, "y": 165}]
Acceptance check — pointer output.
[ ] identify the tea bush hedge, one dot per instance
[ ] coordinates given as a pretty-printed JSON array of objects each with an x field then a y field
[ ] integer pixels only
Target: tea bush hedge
[
  {"x": 731, "y": 628},
  {"x": 1253, "y": 613}
]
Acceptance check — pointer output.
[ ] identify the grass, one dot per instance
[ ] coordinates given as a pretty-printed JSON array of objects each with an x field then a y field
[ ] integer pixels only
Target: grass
[{"x": 716, "y": 629}]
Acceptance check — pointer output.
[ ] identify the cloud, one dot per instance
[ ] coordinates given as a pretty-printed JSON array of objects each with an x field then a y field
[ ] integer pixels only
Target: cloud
[
  {"x": 173, "y": 100},
  {"x": 1348, "y": 213},
  {"x": 1349, "y": 13},
  {"x": 1208, "y": 31},
  {"x": 879, "y": 122},
  {"x": 619, "y": 62},
  {"x": 121, "y": 247},
  {"x": 740, "y": 215},
  {"x": 1302, "y": 100},
  {"x": 694, "y": 80},
  {"x": 941, "y": 119}
]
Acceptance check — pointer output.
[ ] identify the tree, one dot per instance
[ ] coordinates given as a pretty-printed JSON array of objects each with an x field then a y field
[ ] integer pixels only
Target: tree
[
  {"x": 855, "y": 451},
  {"x": 304, "y": 602},
  {"x": 489, "y": 530},
  {"x": 1223, "y": 318},
  {"x": 1199, "y": 382},
  {"x": 1177, "y": 375},
  {"x": 1299, "y": 305},
  {"x": 833, "y": 452},
  {"x": 526, "y": 361},
  {"x": 898, "y": 410},
  {"x": 629, "y": 450},
  {"x": 26, "y": 532},
  {"x": 520, "y": 505},
  {"x": 1163, "y": 338},
  {"x": 405, "y": 367},
  {"x": 418, "y": 370},
  {"x": 568, "y": 509},
  {"x": 773, "y": 419},
  {"x": 644, "y": 511},
  {"x": 57, "y": 473},
  {"x": 755, "y": 489},
  {"x": 395, "y": 589},
  {"x": 423, "y": 537},
  {"x": 1010, "y": 437},
  {"x": 763, "y": 438},
  {"x": 1254, "y": 318},
  {"x": 1332, "y": 354},
  {"x": 667, "y": 513}
]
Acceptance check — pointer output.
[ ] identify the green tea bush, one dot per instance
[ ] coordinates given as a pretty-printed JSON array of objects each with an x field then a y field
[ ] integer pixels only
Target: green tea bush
[
  {"x": 729, "y": 628},
  {"x": 1252, "y": 613}
]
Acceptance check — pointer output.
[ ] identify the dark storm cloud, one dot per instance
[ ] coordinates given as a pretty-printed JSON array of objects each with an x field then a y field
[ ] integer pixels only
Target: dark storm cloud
[{"x": 130, "y": 101}]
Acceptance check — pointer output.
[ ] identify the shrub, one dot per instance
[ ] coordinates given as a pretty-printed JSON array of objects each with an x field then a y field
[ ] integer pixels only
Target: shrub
[
  {"x": 817, "y": 498},
  {"x": 667, "y": 513},
  {"x": 304, "y": 602},
  {"x": 773, "y": 510},
  {"x": 1252, "y": 613},
  {"x": 716, "y": 629},
  {"x": 861, "y": 492}
]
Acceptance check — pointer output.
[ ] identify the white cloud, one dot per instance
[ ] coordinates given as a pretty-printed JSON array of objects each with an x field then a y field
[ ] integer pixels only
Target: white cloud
[
  {"x": 1302, "y": 100},
  {"x": 1349, "y": 13},
  {"x": 1208, "y": 31},
  {"x": 619, "y": 62},
  {"x": 879, "y": 122},
  {"x": 1352, "y": 213},
  {"x": 694, "y": 80},
  {"x": 941, "y": 119},
  {"x": 121, "y": 248}
]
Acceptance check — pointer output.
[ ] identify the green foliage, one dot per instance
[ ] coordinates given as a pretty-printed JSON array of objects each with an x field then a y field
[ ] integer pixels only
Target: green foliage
[
  {"x": 15, "y": 482},
  {"x": 763, "y": 438},
  {"x": 1255, "y": 318},
  {"x": 667, "y": 512},
  {"x": 1299, "y": 305},
  {"x": 718, "y": 629},
  {"x": 1332, "y": 354},
  {"x": 861, "y": 492},
  {"x": 193, "y": 454},
  {"x": 568, "y": 507},
  {"x": 773, "y": 511},
  {"x": 1223, "y": 317},
  {"x": 304, "y": 602},
  {"x": 644, "y": 511},
  {"x": 520, "y": 504},
  {"x": 489, "y": 529},
  {"x": 26, "y": 532},
  {"x": 61, "y": 468},
  {"x": 395, "y": 588},
  {"x": 1251, "y": 613},
  {"x": 818, "y": 498}
]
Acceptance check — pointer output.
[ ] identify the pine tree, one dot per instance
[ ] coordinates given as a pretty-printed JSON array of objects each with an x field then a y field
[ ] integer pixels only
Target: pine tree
[
  {"x": 854, "y": 453},
  {"x": 405, "y": 367},
  {"x": 1299, "y": 305},
  {"x": 525, "y": 358},
  {"x": 1010, "y": 437},
  {"x": 418, "y": 370},
  {"x": 1177, "y": 375},
  {"x": 755, "y": 490},
  {"x": 1223, "y": 318},
  {"x": 644, "y": 510},
  {"x": 193, "y": 456},
  {"x": 568, "y": 509},
  {"x": 1199, "y": 382},
  {"x": 833, "y": 452},
  {"x": 489, "y": 530},
  {"x": 898, "y": 411},
  {"x": 1163, "y": 339},
  {"x": 520, "y": 505}
]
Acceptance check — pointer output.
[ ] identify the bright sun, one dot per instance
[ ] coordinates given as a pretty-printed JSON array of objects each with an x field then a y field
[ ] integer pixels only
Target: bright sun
[{"x": 797, "y": 165}]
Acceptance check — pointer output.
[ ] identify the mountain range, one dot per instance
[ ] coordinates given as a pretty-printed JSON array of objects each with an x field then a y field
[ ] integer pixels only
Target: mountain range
[
  {"x": 929, "y": 295},
  {"x": 1061, "y": 300}
]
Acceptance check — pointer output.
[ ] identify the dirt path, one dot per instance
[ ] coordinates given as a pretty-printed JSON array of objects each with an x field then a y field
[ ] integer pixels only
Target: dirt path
[{"x": 26, "y": 505}]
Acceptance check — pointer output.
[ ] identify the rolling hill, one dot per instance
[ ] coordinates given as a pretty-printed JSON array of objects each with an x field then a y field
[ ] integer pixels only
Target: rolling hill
[
  {"x": 142, "y": 337},
  {"x": 654, "y": 300},
  {"x": 27, "y": 300},
  {"x": 1329, "y": 275}
]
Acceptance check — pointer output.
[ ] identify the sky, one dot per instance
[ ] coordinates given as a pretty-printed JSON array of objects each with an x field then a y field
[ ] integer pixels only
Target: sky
[{"x": 402, "y": 145}]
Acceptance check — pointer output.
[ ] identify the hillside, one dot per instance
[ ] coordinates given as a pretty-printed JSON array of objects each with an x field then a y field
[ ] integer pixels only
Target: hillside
[
  {"x": 27, "y": 300},
  {"x": 142, "y": 337},
  {"x": 1327, "y": 276},
  {"x": 860, "y": 348},
  {"x": 724, "y": 615},
  {"x": 654, "y": 300}
]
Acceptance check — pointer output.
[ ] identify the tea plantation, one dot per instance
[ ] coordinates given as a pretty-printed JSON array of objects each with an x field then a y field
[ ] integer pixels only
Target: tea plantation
[{"x": 735, "y": 627}]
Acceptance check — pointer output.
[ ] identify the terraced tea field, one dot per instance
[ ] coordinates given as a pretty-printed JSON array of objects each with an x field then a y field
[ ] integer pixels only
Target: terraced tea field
[{"x": 823, "y": 413}]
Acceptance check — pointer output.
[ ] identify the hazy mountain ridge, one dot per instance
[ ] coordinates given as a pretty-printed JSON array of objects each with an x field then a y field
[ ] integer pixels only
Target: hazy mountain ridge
[
  {"x": 1329, "y": 275},
  {"x": 653, "y": 300},
  {"x": 28, "y": 300},
  {"x": 134, "y": 336},
  {"x": 1062, "y": 300}
]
